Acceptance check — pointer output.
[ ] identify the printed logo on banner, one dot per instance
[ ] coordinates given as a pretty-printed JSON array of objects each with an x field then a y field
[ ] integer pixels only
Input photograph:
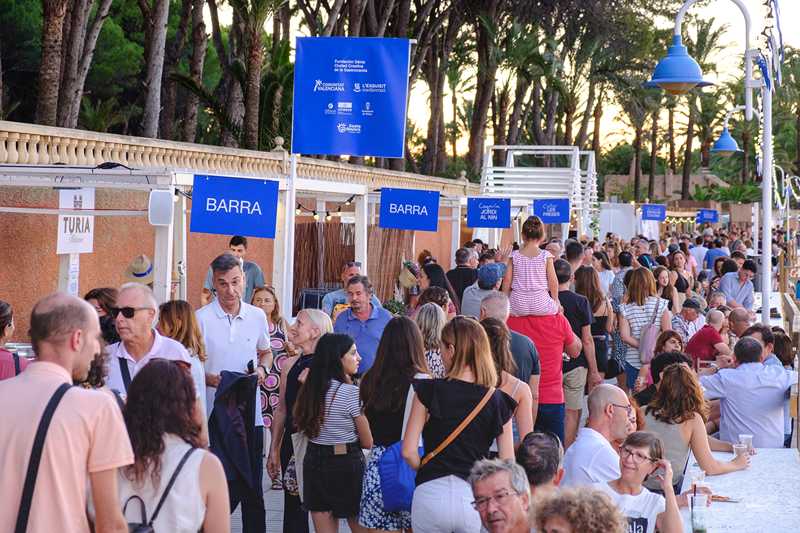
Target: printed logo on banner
[
  {"x": 75, "y": 232},
  {"x": 488, "y": 212},
  {"x": 412, "y": 209},
  {"x": 350, "y": 96},
  {"x": 654, "y": 212},
  {"x": 234, "y": 206},
  {"x": 707, "y": 215},
  {"x": 552, "y": 210}
]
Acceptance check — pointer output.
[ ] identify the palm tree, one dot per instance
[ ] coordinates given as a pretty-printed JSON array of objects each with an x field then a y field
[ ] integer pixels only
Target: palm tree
[
  {"x": 53, "y": 14},
  {"x": 790, "y": 91}
]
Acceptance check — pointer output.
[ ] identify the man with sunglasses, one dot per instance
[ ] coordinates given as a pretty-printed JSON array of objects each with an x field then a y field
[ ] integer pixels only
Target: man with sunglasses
[
  {"x": 336, "y": 301},
  {"x": 592, "y": 458},
  {"x": 135, "y": 316}
]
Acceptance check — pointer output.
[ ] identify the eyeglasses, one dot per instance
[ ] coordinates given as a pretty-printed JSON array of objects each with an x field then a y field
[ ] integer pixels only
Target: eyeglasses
[
  {"x": 638, "y": 458},
  {"x": 127, "y": 312},
  {"x": 351, "y": 264},
  {"x": 628, "y": 408},
  {"x": 482, "y": 503}
]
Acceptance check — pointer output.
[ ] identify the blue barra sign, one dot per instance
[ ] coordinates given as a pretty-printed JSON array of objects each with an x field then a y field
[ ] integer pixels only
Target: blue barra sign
[
  {"x": 234, "y": 206},
  {"x": 654, "y": 212},
  {"x": 412, "y": 209},
  {"x": 488, "y": 212},
  {"x": 350, "y": 96},
  {"x": 707, "y": 215},
  {"x": 552, "y": 210}
]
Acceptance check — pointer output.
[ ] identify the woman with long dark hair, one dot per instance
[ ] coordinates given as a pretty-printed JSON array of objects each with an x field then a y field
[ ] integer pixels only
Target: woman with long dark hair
[
  {"x": 104, "y": 299},
  {"x": 10, "y": 364},
  {"x": 587, "y": 283},
  {"x": 164, "y": 429},
  {"x": 679, "y": 276},
  {"x": 328, "y": 412},
  {"x": 666, "y": 289},
  {"x": 433, "y": 275},
  {"x": 440, "y": 406},
  {"x": 385, "y": 395},
  {"x": 605, "y": 272}
]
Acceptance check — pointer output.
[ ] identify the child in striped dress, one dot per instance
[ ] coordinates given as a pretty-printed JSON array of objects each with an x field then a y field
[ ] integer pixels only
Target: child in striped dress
[{"x": 530, "y": 281}]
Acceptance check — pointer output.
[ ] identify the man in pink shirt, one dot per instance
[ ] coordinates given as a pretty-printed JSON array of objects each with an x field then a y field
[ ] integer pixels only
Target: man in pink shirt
[{"x": 86, "y": 440}]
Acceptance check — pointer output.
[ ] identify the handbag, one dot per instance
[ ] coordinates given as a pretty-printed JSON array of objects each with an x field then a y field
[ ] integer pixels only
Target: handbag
[
  {"x": 145, "y": 526},
  {"x": 648, "y": 337},
  {"x": 397, "y": 478},
  {"x": 24, "y": 512}
]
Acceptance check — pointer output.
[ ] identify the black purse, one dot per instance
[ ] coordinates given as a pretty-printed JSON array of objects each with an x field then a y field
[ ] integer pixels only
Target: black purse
[{"x": 146, "y": 526}]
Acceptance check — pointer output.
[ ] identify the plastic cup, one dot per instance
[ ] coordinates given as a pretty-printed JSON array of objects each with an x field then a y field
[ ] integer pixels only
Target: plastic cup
[
  {"x": 697, "y": 477},
  {"x": 747, "y": 440},
  {"x": 698, "y": 504},
  {"x": 740, "y": 449}
]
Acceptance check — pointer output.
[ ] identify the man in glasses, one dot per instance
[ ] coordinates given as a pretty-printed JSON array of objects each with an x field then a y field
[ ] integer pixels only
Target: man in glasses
[
  {"x": 592, "y": 458},
  {"x": 135, "y": 316},
  {"x": 335, "y": 302},
  {"x": 253, "y": 275},
  {"x": 502, "y": 496}
]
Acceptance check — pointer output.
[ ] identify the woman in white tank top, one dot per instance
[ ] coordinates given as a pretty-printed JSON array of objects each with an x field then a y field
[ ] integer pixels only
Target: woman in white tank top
[{"x": 163, "y": 426}]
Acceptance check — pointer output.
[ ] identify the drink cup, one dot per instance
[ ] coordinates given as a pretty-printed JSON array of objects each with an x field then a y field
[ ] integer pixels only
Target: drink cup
[
  {"x": 697, "y": 477},
  {"x": 740, "y": 449},
  {"x": 747, "y": 440},
  {"x": 698, "y": 504}
]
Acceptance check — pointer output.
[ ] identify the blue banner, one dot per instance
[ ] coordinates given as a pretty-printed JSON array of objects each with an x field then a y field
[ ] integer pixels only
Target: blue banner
[
  {"x": 707, "y": 215},
  {"x": 409, "y": 209},
  {"x": 350, "y": 96},
  {"x": 234, "y": 206},
  {"x": 488, "y": 212},
  {"x": 552, "y": 210},
  {"x": 654, "y": 212}
]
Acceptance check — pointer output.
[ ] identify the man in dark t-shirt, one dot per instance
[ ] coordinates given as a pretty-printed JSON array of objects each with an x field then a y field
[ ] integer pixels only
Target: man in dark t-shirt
[
  {"x": 583, "y": 369},
  {"x": 463, "y": 275}
]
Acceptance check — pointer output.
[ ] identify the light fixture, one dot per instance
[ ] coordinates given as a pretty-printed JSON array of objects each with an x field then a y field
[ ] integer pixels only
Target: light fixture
[
  {"x": 677, "y": 72},
  {"x": 316, "y": 216},
  {"x": 298, "y": 211},
  {"x": 725, "y": 145},
  {"x": 328, "y": 216}
]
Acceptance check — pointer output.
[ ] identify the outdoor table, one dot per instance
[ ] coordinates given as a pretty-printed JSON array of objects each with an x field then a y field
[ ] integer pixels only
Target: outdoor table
[
  {"x": 767, "y": 493},
  {"x": 774, "y": 303}
]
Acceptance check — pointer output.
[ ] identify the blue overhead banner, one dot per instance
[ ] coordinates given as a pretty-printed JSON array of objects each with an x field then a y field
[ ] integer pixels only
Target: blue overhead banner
[
  {"x": 409, "y": 209},
  {"x": 707, "y": 215},
  {"x": 654, "y": 212},
  {"x": 488, "y": 212},
  {"x": 350, "y": 96},
  {"x": 552, "y": 210},
  {"x": 234, "y": 206}
]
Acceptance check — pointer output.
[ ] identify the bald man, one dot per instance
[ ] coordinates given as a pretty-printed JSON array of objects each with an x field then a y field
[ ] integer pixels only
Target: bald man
[
  {"x": 86, "y": 439},
  {"x": 738, "y": 322},
  {"x": 593, "y": 458}
]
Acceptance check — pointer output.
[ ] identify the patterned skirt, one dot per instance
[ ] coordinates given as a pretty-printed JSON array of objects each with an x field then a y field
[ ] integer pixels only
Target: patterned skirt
[{"x": 372, "y": 514}]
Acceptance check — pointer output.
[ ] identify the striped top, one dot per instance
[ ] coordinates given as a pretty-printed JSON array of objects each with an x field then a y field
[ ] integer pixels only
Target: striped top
[
  {"x": 342, "y": 406},
  {"x": 529, "y": 291},
  {"x": 638, "y": 316}
]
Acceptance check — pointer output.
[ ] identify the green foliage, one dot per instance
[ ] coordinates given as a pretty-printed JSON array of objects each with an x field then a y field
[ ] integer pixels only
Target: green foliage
[
  {"x": 742, "y": 193},
  {"x": 395, "y": 307},
  {"x": 117, "y": 64},
  {"x": 101, "y": 116}
]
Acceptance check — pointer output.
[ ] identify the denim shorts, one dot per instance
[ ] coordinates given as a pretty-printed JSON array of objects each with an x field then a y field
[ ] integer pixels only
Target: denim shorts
[{"x": 332, "y": 483}]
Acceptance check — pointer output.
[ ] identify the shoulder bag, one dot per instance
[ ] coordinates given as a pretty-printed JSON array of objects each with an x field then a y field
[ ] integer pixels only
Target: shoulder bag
[
  {"x": 36, "y": 456},
  {"x": 147, "y": 527},
  {"x": 648, "y": 337}
]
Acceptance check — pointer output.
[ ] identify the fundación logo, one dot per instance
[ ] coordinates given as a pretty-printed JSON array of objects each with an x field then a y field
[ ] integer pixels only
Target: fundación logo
[
  {"x": 343, "y": 127},
  {"x": 367, "y": 110},
  {"x": 328, "y": 86},
  {"x": 344, "y": 108}
]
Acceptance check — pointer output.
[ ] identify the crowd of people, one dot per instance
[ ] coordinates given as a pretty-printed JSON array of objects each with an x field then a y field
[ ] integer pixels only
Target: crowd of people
[{"x": 548, "y": 386}]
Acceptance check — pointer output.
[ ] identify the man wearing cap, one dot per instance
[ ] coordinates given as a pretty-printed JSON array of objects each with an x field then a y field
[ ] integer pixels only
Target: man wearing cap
[
  {"x": 689, "y": 320},
  {"x": 490, "y": 276},
  {"x": 335, "y": 302}
]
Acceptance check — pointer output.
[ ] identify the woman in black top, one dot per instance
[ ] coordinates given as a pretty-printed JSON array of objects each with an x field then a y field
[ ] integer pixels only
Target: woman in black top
[
  {"x": 680, "y": 277},
  {"x": 587, "y": 283},
  {"x": 441, "y": 499},
  {"x": 310, "y": 325},
  {"x": 384, "y": 393}
]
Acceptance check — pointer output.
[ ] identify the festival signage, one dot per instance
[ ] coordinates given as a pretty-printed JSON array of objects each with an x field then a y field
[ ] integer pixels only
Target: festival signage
[
  {"x": 552, "y": 210},
  {"x": 707, "y": 216},
  {"x": 654, "y": 212},
  {"x": 488, "y": 212},
  {"x": 413, "y": 209},
  {"x": 75, "y": 232},
  {"x": 234, "y": 206},
  {"x": 350, "y": 96}
]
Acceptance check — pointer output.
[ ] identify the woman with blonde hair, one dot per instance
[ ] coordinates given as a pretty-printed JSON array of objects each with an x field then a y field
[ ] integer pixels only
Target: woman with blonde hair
[
  {"x": 458, "y": 417},
  {"x": 177, "y": 321},
  {"x": 677, "y": 414},
  {"x": 431, "y": 320},
  {"x": 642, "y": 307}
]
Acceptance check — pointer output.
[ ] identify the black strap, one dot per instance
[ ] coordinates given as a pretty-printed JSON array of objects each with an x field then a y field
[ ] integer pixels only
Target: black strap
[
  {"x": 36, "y": 457},
  {"x": 17, "y": 369},
  {"x": 126, "y": 374},
  {"x": 169, "y": 485}
]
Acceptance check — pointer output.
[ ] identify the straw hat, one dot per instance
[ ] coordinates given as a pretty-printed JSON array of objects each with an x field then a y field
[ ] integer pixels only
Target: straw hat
[{"x": 140, "y": 270}]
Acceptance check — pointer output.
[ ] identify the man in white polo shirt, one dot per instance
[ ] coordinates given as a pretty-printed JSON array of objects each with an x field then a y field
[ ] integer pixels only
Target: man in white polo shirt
[
  {"x": 236, "y": 334},
  {"x": 135, "y": 316}
]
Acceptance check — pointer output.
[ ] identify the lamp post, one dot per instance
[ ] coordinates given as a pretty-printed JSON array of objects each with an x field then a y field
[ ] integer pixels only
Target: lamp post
[{"x": 678, "y": 73}]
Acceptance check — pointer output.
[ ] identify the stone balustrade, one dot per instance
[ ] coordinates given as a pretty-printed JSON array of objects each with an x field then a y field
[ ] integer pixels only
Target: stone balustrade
[{"x": 32, "y": 144}]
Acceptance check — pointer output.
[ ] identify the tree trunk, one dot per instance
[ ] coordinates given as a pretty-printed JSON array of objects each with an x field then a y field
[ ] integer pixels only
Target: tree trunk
[
  {"x": 673, "y": 161},
  {"x": 252, "y": 91},
  {"x": 159, "y": 15},
  {"x": 651, "y": 177},
  {"x": 454, "y": 103},
  {"x": 597, "y": 115},
  {"x": 432, "y": 75},
  {"x": 78, "y": 66},
  {"x": 2, "y": 89},
  {"x": 583, "y": 132},
  {"x": 487, "y": 68},
  {"x": 637, "y": 163},
  {"x": 53, "y": 14},
  {"x": 705, "y": 152},
  {"x": 687, "y": 155},
  {"x": 199, "y": 45},
  {"x": 74, "y": 35},
  {"x": 796, "y": 169},
  {"x": 515, "y": 121},
  {"x": 169, "y": 88}
]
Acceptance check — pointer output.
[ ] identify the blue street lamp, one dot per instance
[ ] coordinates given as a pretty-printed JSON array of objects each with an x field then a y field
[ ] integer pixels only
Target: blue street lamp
[
  {"x": 726, "y": 145},
  {"x": 678, "y": 73}
]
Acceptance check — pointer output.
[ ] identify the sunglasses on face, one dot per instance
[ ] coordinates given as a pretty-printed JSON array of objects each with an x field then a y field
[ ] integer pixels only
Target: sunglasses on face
[{"x": 127, "y": 312}]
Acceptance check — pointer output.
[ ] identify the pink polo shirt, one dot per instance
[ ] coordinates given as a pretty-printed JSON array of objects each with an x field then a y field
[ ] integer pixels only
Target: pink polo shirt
[
  {"x": 7, "y": 369},
  {"x": 87, "y": 435}
]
